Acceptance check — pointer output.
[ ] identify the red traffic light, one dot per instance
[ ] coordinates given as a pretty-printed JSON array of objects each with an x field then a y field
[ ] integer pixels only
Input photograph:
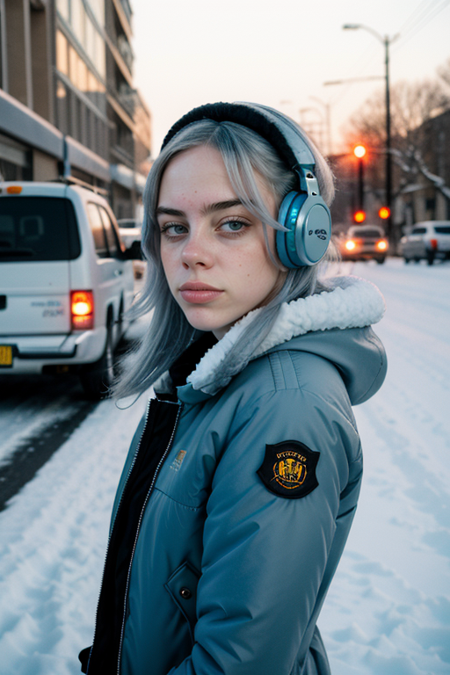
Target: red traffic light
[
  {"x": 359, "y": 151},
  {"x": 384, "y": 212},
  {"x": 359, "y": 216}
]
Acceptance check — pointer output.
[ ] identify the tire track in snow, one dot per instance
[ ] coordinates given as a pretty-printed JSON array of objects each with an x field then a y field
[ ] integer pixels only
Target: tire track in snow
[{"x": 35, "y": 450}]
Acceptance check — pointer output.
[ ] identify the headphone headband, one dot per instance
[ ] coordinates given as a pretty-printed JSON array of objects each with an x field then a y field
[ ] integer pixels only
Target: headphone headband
[{"x": 282, "y": 134}]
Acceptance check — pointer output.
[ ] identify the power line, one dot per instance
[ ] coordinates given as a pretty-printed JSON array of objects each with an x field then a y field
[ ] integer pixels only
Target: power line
[
  {"x": 420, "y": 17},
  {"x": 416, "y": 16},
  {"x": 422, "y": 23}
]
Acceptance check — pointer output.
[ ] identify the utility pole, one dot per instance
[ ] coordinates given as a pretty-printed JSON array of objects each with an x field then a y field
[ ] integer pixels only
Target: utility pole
[
  {"x": 386, "y": 41},
  {"x": 388, "y": 144}
]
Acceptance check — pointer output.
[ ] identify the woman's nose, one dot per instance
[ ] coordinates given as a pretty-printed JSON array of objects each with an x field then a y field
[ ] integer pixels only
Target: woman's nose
[{"x": 196, "y": 252}]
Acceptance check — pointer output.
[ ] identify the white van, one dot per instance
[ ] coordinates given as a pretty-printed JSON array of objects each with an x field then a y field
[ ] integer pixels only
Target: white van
[{"x": 66, "y": 281}]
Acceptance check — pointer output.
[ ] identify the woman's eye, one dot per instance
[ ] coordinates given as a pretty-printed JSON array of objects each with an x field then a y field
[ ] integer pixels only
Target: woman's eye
[
  {"x": 233, "y": 226},
  {"x": 173, "y": 230}
]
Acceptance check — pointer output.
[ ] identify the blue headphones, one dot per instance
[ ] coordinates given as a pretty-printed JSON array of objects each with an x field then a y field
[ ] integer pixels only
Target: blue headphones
[{"x": 303, "y": 212}]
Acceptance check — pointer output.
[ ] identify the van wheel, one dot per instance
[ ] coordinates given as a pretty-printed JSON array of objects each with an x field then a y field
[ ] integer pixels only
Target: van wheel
[
  {"x": 96, "y": 378},
  {"x": 430, "y": 257},
  {"x": 380, "y": 261}
]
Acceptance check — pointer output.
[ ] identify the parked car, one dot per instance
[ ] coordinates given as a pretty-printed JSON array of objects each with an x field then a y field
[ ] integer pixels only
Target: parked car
[
  {"x": 66, "y": 282},
  {"x": 364, "y": 242},
  {"x": 428, "y": 240},
  {"x": 131, "y": 230}
]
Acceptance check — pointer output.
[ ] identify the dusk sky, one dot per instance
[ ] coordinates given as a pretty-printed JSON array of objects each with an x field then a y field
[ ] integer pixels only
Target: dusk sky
[{"x": 280, "y": 53}]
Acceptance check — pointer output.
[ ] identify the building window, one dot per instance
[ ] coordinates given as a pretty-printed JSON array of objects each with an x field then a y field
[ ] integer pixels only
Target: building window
[
  {"x": 86, "y": 34},
  {"x": 15, "y": 160},
  {"x": 98, "y": 7},
  {"x": 78, "y": 70},
  {"x": 96, "y": 92},
  {"x": 64, "y": 9},
  {"x": 99, "y": 58},
  {"x": 62, "y": 109},
  {"x": 430, "y": 206},
  {"x": 62, "y": 55},
  {"x": 78, "y": 20},
  {"x": 82, "y": 83},
  {"x": 85, "y": 81},
  {"x": 88, "y": 135}
]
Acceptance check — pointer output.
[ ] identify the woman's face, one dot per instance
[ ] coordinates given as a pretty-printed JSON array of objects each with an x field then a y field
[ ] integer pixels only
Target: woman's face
[{"x": 213, "y": 249}]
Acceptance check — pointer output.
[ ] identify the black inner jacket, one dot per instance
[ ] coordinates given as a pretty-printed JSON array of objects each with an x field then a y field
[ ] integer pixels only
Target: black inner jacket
[
  {"x": 186, "y": 363},
  {"x": 102, "y": 658}
]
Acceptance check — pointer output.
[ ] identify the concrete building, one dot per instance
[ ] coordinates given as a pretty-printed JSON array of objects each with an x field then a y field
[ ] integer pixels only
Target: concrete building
[
  {"x": 427, "y": 196},
  {"x": 67, "y": 101}
]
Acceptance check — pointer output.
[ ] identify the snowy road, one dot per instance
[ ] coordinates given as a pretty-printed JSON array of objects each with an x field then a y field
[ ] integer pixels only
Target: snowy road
[
  {"x": 388, "y": 610},
  {"x": 37, "y": 415}
]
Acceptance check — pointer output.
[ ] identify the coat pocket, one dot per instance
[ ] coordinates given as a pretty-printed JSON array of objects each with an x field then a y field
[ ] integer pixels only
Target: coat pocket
[{"x": 182, "y": 587}]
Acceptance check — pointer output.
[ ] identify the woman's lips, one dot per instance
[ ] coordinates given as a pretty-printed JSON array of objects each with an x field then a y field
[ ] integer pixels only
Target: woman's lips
[{"x": 198, "y": 293}]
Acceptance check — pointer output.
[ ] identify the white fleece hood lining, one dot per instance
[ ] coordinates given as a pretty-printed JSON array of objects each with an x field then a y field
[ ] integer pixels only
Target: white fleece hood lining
[{"x": 351, "y": 303}]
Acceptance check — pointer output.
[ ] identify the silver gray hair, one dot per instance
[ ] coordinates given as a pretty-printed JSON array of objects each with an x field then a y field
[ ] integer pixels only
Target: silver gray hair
[{"x": 243, "y": 152}]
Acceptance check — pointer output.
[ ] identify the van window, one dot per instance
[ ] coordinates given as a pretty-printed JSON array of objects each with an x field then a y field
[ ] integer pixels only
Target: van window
[
  {"x": 38, "y": 229},
  {"x": 110, "y": 234},
  {"x": 98, "y": 232},
  {"x": 442, "y": 229},
  {"x": 419, "y": 230}
]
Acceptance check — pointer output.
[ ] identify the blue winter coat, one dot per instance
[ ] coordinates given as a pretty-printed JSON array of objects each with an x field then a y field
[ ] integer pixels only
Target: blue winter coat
[{"x": 247, "y": 494}]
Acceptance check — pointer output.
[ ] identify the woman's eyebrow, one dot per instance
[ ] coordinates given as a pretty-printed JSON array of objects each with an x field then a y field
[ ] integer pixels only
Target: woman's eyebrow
[
  {"x": 221, "y": 206},
  {"x": 211, "y": 208},
  {"x": 164, "y": 210}
]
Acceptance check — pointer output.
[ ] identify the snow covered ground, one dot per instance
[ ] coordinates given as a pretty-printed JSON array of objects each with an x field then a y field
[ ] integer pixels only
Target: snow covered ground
[{"x": 388, "y": 610}]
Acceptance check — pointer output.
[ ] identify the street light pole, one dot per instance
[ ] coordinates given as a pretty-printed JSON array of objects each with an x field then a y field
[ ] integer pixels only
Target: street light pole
[
  {"x": 388, "y": 142},
  {"x": 360, "y": 152},
  {"x": 386, "y": 41}
]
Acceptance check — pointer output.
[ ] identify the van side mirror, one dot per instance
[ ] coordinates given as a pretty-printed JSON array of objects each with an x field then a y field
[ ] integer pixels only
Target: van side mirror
[{"x": 134, "y": 252}]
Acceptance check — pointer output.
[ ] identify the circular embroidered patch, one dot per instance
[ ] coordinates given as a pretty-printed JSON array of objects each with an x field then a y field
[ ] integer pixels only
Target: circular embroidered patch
[{"x": 289, "y": 469}]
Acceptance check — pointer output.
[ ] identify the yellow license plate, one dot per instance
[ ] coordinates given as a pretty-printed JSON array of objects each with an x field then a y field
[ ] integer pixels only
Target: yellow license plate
[{"x": 6, "y": 356}]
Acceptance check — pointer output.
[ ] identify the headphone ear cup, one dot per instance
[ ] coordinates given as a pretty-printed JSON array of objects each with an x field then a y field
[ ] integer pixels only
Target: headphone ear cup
[
  {"x": 308, "y": 220},
  {"x": 286, "y": 241}
]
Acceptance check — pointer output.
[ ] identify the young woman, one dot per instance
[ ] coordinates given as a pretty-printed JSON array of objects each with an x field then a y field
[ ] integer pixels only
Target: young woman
[{"x": 242, "y": 480}]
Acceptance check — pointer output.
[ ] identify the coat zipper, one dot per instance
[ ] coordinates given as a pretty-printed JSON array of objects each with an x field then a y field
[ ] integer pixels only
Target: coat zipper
[
  {"x": 150, "y": 490},
  {"x": 117, "y": 512}
]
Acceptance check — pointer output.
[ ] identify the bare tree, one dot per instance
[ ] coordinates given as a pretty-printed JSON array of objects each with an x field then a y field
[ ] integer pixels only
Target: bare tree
[
  {"x": 413, "y": 106},
  {"x": 444, "y": 75}
]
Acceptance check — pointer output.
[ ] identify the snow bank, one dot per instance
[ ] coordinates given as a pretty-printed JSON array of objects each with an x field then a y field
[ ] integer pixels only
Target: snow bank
[{"x": 53, "y": 539}]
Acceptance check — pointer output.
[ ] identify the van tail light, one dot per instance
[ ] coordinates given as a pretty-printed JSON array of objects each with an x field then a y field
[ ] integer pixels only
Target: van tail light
[
  {"x": 350, "y": 245},
  {"x": 433, "y": 244},
  {"x": 82, "y": 310}
]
